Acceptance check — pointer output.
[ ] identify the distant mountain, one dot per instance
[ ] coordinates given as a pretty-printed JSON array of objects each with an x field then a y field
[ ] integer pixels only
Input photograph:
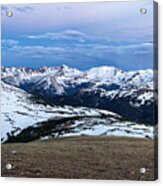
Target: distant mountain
[
  {"x": 131, "y": 94},
  {"x": 25, "y": 118}
]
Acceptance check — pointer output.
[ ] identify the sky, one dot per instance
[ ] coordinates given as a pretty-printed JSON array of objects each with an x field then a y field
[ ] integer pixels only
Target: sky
[{"x": 80, "y": 35}]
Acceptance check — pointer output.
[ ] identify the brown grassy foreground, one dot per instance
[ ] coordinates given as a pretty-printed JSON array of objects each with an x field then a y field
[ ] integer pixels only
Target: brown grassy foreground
[{"x": 81, "y": 157}]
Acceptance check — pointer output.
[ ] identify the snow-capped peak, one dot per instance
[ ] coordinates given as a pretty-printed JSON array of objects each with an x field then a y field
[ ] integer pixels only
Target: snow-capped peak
[{"x": 103, "y": 73}]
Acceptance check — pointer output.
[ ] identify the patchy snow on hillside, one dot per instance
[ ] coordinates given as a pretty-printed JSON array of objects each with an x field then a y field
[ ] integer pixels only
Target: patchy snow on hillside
[
  {"x": 110, "y": 127},
  {"x": 18, "y": 111}
]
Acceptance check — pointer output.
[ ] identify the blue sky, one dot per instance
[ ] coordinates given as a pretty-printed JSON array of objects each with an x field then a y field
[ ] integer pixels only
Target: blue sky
[{"x": 81, "y": 35}]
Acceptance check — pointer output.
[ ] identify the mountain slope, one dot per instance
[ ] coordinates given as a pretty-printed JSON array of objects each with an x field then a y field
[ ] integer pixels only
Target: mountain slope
[{"x": 25, "y": 118}]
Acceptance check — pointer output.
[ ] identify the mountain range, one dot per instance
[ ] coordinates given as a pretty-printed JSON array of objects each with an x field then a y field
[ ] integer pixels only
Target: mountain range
[{"x": 130, "y": 94}]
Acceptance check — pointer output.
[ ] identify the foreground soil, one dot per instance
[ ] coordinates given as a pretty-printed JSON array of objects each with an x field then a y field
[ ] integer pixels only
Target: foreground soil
[{"x": 81, "y": 157}]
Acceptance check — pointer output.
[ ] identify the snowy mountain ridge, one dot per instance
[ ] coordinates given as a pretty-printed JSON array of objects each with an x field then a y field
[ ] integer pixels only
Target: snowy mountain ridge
[{"x": 105, "y": 74}]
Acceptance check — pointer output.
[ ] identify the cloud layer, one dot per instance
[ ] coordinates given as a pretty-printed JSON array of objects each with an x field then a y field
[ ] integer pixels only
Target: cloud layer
[{"x": 81, "y": 35}]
